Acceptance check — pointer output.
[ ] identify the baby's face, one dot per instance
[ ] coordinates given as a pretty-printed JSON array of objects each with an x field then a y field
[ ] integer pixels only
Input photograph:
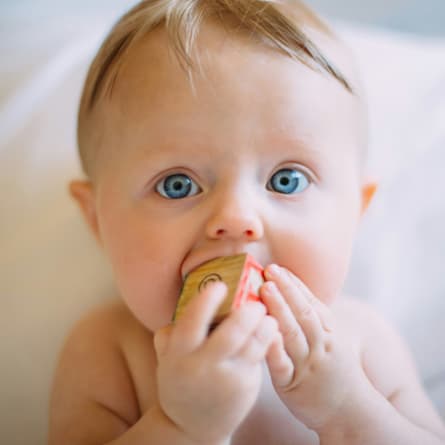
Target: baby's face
[{"x": 262, "y": 158}]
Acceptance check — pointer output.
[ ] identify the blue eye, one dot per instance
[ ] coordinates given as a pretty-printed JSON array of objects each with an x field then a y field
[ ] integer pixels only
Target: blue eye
[
  {"x": 288, "y": 181},
  {"x": 177, "y": 186}
]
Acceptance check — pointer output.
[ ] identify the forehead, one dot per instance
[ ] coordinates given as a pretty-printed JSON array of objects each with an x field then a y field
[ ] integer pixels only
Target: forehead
[{"x": 241, "y": 89}]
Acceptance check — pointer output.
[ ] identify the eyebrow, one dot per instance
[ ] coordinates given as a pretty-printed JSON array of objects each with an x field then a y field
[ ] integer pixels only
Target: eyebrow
[
  {"x": 302, "y": 141},
  {"x": 196, "y": 146}
]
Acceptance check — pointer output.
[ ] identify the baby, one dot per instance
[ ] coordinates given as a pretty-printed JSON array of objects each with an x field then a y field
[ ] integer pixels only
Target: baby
[{"x": 209, "y": 128}]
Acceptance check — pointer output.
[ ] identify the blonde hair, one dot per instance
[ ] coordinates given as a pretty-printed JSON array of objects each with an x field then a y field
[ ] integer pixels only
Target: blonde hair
[{"x": 276, "y": 23}]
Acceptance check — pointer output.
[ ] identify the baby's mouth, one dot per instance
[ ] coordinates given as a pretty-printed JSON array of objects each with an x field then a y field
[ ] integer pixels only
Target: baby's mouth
[
  {"x": 196, "y": 258},
  {"x": 187, "y": 268}
]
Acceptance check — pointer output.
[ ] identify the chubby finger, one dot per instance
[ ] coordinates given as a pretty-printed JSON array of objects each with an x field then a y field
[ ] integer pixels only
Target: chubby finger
[
  {"x": 322, "y": 310},
  {"x": 233, "y": 332},
  {"x": 294, "y": 339},
  {"x": 257, "y": 345},
  {"x": 281, "y": 368},
  {"x": 191, "y": 329},
  {"x": 302, "y": 310}
]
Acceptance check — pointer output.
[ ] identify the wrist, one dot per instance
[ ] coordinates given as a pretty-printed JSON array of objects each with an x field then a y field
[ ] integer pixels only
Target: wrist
[{"x": 353, "y": 416}]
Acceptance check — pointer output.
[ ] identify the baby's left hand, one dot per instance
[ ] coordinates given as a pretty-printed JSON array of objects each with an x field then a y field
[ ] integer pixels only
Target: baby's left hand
[{"x": 315, "y": 369}]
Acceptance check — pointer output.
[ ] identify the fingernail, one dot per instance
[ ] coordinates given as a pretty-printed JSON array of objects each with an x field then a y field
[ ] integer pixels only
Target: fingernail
[{"x": 273, "y": 271}]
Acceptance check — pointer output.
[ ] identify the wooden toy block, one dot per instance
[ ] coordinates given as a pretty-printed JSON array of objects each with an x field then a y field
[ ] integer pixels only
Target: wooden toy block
[{"x": 241, "y": 273}]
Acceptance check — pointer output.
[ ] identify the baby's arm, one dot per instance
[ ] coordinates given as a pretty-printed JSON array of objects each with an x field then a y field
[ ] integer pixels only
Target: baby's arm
[
  {"x": 395, "y": 407},
  {"x": 96, "y": 401}
]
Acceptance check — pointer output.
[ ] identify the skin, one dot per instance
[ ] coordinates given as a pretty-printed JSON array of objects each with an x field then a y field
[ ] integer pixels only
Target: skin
[{"x": 304, "y": 367}]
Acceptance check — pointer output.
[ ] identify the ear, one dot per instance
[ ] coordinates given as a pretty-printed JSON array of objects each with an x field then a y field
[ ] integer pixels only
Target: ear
[
  {"x": 83, "y": 194},
  {"x": 369, "y": 188}
]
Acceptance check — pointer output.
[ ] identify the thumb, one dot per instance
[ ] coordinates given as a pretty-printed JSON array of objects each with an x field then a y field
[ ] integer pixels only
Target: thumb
[{"x": 280, "y": 365}]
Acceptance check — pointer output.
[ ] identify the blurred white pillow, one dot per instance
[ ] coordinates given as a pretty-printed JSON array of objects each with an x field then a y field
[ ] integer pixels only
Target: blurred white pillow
[
  {"x": 399, "y": 261},
  {"x": 51, "y": 270}
]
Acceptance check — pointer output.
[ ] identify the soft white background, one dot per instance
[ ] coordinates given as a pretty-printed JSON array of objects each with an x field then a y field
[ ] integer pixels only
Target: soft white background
[{"x": 50, "y": 269}]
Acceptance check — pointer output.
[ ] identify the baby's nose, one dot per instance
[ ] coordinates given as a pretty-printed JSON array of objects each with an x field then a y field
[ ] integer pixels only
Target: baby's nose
[{"x": 235, "y": 222}]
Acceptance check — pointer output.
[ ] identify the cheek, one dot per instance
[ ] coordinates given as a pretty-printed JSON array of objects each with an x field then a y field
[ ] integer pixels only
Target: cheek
[
  {"x": 319, "y": 255},
  {"x": 146, "y": 262}
]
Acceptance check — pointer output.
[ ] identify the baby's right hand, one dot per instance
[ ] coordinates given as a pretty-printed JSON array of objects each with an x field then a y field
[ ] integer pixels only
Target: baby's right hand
[{"x": 207, "y": 384}]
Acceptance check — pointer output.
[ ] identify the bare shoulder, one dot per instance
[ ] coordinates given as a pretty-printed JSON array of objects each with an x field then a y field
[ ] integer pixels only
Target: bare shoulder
[
  {"x": 95, "y": 384},
  {"x": 355, "y": 313},
  {"x": 388, "y": 363},
  {"x": 382, "y": 348}
]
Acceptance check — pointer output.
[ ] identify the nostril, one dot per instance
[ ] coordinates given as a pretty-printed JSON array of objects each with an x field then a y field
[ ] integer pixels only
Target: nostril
[
  {"x": 249, "y": 232},
  {"x": 220, "y": 232}
]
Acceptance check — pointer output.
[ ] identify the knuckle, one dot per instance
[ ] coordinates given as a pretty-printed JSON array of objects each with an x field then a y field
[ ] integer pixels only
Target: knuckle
[
  {"x": 289, "y": 288},
  {"x": 307, "y": 312},
  {"x": 318, "y": 354},
  {"x": 328, "y": 347},
  {"x": 328, "y": 323},
  {"x": 313, "y": 300},
  {"x": 292, "y": 334},
  {"x": 257, "y": 342}
]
